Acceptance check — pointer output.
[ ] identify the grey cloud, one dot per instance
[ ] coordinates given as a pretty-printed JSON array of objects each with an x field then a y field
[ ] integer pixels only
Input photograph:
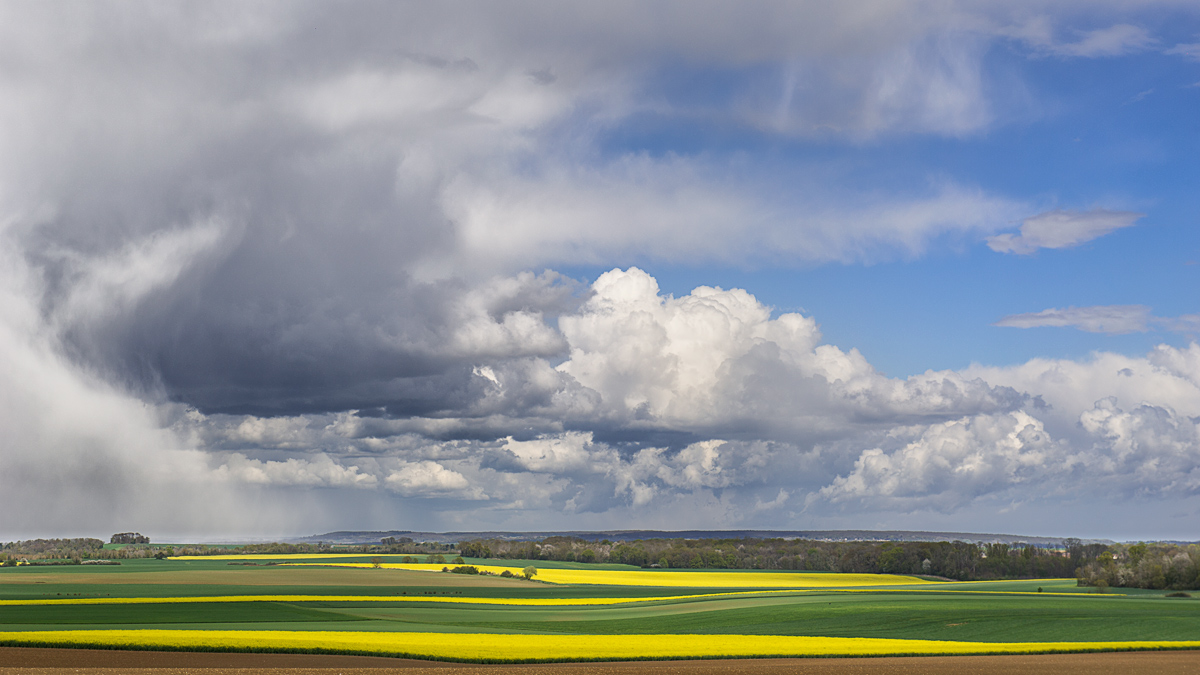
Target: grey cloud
[
  {"x": 949, "y": 465},
  {"x": 1062, "y": 229},
  {"x": 292, "y": 209},
  {"x": 278, "y": 254},
  {"x": 1147, "y": 450}
]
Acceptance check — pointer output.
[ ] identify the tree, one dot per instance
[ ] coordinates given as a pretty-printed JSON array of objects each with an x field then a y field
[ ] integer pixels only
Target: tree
[{"x": 529, "y": 572}]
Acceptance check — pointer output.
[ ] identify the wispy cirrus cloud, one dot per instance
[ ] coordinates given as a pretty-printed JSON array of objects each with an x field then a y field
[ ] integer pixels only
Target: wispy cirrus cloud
[
  {"x": 1116, "y": 40},
  {"x": 1061, "y": 229},
  {"x": 1111, "y": 319},
  {"x": 1188, "y": 51}
]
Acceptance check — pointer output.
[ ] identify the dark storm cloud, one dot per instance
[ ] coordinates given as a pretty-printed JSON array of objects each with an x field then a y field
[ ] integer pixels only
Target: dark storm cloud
[
  {"x": 276, "y": 265},
  {"x": 342, "y": 160}
]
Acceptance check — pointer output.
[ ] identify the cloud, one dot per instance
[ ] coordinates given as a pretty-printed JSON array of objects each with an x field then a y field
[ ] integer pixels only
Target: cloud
[
  {"x": 1154, "y": 443},
  {"x": 1111, "y": 319},
  {"x": 1189, "y": 51},
  {"x": 1062, "y": 229},
  {"x": 430, "y": 479},
  {"x": 292, "y": 266},
  {"x": 80, "y": 454},
  {"x": 681, "y": 210},
  {"x": 332, "y": 234},
  {"x": 949, "y": 464},
  {"x": 1116, "y": 40},
  {"x": 717, "y": 359},
  {"x": 320, "y": 471}
]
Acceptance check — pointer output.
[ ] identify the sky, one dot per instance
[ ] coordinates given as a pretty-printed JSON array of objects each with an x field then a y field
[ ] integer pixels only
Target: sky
[{"x": 282, "y": 268}]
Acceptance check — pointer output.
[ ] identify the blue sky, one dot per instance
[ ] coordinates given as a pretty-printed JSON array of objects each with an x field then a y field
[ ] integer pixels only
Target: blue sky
[
  {"x": 1116, "y": 132},
  {"x": 284, "y": 267}
]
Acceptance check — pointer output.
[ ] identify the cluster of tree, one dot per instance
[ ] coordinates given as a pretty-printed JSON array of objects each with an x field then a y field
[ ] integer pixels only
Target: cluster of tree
[
  {"x": 1159, "y": 566},
  {"x": 129, "y": 538},
  {"x": 74, "y": 550},
  {"x": 390, "y": 545},
  {"x": 952, "y": 560}
]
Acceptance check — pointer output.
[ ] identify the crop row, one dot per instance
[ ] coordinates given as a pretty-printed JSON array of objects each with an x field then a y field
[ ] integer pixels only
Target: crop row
[
  {"x": 487, "y": 647},
  {"x": 531, "y": 602}
]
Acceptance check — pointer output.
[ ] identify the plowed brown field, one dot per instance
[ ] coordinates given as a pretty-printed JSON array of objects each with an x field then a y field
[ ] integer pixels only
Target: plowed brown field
[{"x": 34, "y": 661}]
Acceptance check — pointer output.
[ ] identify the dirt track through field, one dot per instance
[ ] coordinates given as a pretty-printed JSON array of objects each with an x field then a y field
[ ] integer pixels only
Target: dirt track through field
[{"x": 36, "y": 661}]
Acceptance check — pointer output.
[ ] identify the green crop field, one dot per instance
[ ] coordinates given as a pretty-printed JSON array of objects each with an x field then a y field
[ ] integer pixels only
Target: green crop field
[{"x": 219, "y": 603}]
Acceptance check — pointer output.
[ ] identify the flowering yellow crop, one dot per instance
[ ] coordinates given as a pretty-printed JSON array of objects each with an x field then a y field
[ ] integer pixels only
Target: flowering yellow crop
[
  {"x": 525, "y": 647},
  {"x": 710, "y": 579},
  {"x": 268, "y": 556},
  {"x": 705, "y": 579}
]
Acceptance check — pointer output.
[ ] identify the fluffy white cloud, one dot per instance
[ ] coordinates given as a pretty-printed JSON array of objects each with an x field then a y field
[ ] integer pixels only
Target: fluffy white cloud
[
  {"x": 716, "y": 357},
  {"x": 1167, "y": 376},
  {"x": 1062, "y": 229},
  {"x": 949, "y": 464},
  {"x": 318, "y": 471},
  {"x": 431, "y": 479},
  {"x": 1155, "y": 450}
]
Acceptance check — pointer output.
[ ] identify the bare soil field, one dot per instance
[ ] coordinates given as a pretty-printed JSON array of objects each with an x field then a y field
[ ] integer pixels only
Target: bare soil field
[{"x": 36, "y": 661}]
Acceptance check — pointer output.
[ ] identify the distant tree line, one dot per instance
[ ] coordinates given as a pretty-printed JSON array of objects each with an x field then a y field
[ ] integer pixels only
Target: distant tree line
[
  {"x": 1154, "y": 566},
  {"x": 957, "y": 560},
  {"x": 138, "y": 546},
  {"x": 73, "y": 550}
]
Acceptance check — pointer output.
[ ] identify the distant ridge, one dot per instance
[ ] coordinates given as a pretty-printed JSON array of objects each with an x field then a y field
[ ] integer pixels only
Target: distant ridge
[{"x": 356, "y": 537}]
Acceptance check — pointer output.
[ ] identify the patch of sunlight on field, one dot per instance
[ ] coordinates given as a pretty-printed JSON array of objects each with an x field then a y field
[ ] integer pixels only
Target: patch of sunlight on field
[
  {"x": 705, "y": 579},
  {"x": 517, "y": 647}
]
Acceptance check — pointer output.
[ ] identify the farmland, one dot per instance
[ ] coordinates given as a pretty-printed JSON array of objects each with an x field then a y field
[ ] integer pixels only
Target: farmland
[{"x": 570, "y": 611}]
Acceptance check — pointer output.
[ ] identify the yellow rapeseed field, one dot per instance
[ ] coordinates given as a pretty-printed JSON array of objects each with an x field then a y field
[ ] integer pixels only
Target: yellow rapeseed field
[
  {"x": 709, "y": 579},
  {"x": 524, "y": 647},
  {"x": 266, "y": 556},
  {"x": 705, "y": 579}
]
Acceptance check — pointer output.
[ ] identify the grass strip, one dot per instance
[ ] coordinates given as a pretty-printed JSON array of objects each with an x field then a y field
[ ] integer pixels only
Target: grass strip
[
  {"x": 526, "y": 602},
  {"x": 517, "y": 648},
  {"x": 530, "y": 602}
]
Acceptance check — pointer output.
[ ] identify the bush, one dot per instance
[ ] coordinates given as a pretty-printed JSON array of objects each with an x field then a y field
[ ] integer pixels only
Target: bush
[
  {"x": 507, "y": 574},
  {"x": 1179, "y": 594},
  {"x": 465, "y": 569},
  {"x": 458, "y": 561}
]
